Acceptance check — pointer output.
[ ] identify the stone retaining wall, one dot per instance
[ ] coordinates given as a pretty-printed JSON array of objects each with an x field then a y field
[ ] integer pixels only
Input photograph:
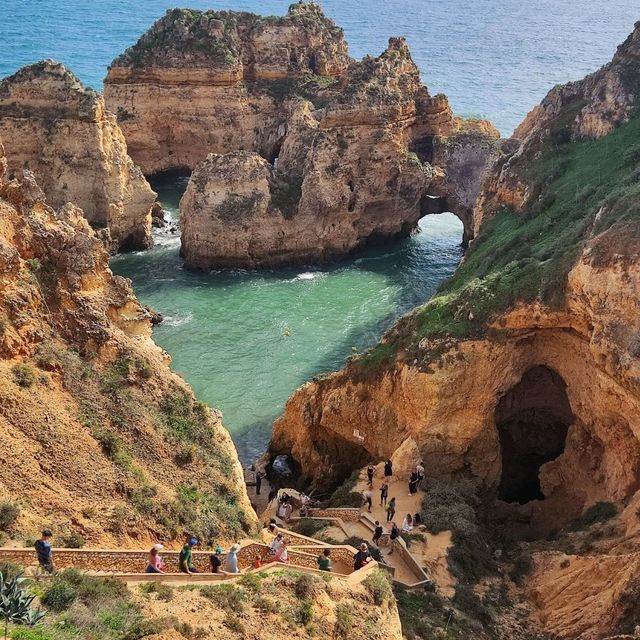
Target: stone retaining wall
[
  {"x": 346, "y": 514},
  {"x": 136, "y": 561}
]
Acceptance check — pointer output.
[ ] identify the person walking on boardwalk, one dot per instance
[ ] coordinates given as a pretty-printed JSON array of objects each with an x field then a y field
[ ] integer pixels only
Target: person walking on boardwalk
[
  {"x": 391, "y": 509},
  {"x": 324, "y": 560},
  {"x": 384, "y": 494},
  {"x": 44, "y": 552},
  {"x": 393, "y": 537},
  {"x": 370, "y": 472},
  {"x": 367, "y": 498},
  {"x": 185, "y": 560},
  {"x": 377, "y": 533}
]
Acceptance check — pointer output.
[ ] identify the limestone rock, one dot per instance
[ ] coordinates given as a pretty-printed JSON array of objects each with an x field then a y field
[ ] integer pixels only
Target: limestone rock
[
  {"x": 346, "y": 174},
  {"x": 60, "y": 130},
  {"x": 87, "y": 397},
  {"x": 213, "y": 82}
]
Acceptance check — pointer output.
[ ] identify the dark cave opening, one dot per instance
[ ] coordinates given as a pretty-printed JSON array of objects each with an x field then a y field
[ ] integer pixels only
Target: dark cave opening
[{"x": 532, "y": 418}]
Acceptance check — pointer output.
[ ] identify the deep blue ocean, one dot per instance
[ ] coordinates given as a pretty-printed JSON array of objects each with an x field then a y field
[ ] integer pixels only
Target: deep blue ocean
[
  {"x": 494, "y": 58},
  {"x": 246, "y": 340}
]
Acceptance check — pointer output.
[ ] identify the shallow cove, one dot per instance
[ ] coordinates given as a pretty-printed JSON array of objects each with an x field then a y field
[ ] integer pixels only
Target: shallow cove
[{"x": 245, "y": 340}]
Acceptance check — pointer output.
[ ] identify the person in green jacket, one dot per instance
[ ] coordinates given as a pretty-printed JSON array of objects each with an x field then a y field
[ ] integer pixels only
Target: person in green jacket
[
  {"x": 185, "y": 562},
  {"x": 324, "y": 561}
]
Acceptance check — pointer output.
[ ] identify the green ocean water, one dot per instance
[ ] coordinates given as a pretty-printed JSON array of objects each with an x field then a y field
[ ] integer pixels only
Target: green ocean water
[{"x": 245, "y": 340}]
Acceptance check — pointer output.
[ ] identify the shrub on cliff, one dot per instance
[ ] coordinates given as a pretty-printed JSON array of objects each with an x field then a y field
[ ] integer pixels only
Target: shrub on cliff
[
  {"x": 59, "y": 596},
  {"x": 452, "y": 506},
  {"x": 23, "y": 375},
  {"x": 9, "y": 514},
  {"x": 598, "y": 512},
  {"x": 379, "y": 586}
]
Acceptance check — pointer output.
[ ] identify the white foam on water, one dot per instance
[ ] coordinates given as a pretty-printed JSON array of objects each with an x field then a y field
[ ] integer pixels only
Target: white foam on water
[
  {"x": 178, "y": 320},
  {"x": 308, "y": 275}
]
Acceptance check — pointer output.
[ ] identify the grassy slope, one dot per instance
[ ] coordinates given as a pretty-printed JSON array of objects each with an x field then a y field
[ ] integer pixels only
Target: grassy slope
[{"x": 526, "y": 255}]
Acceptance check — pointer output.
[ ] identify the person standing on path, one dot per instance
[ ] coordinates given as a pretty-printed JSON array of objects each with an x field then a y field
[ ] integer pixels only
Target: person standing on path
[
  {"x": 232, "y": 559},
  {"x": 44, "y": 551},
  {"x": 377, "y": 533},
  {"x": 370, "y": 472},
  {"x": 413, "y": 483},
  {"x": 367, "y": 496},
  {"x": 362, "y": 557},
  {"x": 384, "y": 494},
  {"x": 391, "y": 509},
  {"x": 258, "y": 482},
  {"x": 185, "y": 561},
  {"x": 393, "y": 537},
  {"x": 420, "y": 472},
  {"x": 388, "y": 470}
]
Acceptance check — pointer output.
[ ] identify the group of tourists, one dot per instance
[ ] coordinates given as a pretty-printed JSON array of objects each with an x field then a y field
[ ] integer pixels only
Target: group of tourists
[{"x": 185, "y": 559}]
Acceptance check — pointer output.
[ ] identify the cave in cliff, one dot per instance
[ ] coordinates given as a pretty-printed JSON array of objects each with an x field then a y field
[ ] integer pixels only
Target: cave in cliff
[{"x": 532, "y": 419}]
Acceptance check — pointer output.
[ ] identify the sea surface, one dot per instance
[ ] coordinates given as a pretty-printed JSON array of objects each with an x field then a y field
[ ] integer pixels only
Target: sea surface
[{"x": 246, "y": 340}]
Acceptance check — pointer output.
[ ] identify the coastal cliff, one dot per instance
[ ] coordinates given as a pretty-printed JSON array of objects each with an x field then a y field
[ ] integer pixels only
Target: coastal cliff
[
  {"x": 98, "y": 438},
  {"x": 201, "y": 82},
  {"x": 355, "y": 171},
  {"x": 549, "y": 283},
  {"x": 54, "y": 126}
]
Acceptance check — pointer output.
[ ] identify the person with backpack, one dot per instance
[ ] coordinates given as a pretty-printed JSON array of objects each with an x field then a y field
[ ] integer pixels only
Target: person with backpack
[
  {"x": 391, "y": 509},
  {"x": 215, "y": 559},
  {"x": 185, "y": 560},
  {"x": 44, "y": 551}
]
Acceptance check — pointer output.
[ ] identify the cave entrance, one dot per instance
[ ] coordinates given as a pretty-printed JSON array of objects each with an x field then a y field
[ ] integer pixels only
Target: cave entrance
[{"x": 532, "y": 420}]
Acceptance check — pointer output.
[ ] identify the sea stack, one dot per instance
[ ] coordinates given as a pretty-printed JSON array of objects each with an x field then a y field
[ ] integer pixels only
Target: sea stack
[{"x": 54, "y": 126}]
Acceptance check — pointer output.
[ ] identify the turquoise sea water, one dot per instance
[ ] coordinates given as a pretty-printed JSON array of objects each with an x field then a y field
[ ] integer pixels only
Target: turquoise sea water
[{"x": 246, "y": 340}]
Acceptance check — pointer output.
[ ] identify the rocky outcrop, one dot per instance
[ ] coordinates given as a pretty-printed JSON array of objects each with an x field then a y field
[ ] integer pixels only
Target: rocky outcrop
[
  {"x": 201, "y": 82},
  {"x": 360, "y": 169},
  {"x": 97, "y": 436},
  {"x": 59, "y": 129},
  {"x": 537, "y": 333}
]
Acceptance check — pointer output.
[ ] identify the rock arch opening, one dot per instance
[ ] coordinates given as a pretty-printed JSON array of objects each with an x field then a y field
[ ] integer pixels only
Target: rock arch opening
[{"x": 532, "y": 419}]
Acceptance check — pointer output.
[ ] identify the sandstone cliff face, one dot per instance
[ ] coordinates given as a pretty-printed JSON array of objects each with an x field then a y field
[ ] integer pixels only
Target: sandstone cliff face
[
  {"x": 212, "y": 82},
  {"x": 61, "y": 131},
  {"x": 97, "y": 437},
  {"x": 356, "y": 170},
  {"x": 550, "y": 289}
]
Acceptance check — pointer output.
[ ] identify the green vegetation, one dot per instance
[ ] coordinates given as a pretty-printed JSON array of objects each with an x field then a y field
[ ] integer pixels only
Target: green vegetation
[
  {"x": 16, "y": 603},
  {"x": 309, "y": 527},
  {"x": 379, "y": 586},
  {"x": 73, "y": 540},
  {"x": 163, "y": 591},
  {"x": 91, "y": 608},
  {"x": 344, "y": 621},
  {"x": 344, "y": 496},
  {"x": 598, "y": 512},
  {"x": 23, "y": 375},
  {"x": 9, "y": 514},
  {"x": 226, "y": 596},
  {"x": 449, "y": 506},
  {"x": 577, "y": 189},
  {"x": 286, "y": 192}
]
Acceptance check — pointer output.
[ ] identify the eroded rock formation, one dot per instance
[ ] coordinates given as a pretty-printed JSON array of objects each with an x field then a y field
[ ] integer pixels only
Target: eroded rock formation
[
  {"x": 92, "y": 421},
  {"x": 54, "y": 126},
  {"x": 533, "y": 292},
  {"x": 361, "y": 161},
  {"x": 213, "y": 82}
]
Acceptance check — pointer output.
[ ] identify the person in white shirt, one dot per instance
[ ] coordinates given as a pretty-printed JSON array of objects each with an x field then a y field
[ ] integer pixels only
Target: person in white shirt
[{"x": 407, "y": 523}]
